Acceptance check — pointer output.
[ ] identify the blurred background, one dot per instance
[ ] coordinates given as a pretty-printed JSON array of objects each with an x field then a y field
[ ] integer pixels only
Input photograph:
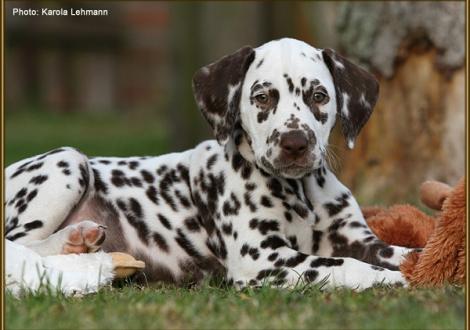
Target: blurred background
[{"x": 121, "y": 84}]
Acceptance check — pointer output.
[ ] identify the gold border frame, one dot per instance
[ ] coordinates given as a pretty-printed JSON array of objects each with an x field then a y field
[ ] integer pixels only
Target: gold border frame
[
  {"x": 2, "y": 118},
  {"x": 2, "y": 190},
  {"x": 466, "y": 166}
]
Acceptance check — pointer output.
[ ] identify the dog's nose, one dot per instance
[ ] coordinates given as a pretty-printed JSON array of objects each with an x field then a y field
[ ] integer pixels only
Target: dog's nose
[{"x": 294, "y": 144}]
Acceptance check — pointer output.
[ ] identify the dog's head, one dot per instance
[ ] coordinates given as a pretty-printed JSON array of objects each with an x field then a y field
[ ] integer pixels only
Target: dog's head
[{"x": 286, "y": 95}]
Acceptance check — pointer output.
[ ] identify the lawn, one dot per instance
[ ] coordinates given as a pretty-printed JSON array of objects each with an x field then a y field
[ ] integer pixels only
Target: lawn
[
  {"x": 210, "y": 306},
  {"x": 218, "y": 307}
]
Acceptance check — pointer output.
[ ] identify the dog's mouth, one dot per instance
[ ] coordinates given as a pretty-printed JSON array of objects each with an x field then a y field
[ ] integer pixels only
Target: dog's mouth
[{"x": 292, "y": 170}]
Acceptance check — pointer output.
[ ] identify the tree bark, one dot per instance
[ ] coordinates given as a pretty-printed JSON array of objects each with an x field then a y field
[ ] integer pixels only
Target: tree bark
[{"x": 417, "y": 130}]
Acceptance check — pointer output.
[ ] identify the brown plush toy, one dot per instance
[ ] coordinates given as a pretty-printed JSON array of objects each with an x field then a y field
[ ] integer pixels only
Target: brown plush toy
[{"x": 442, "y": 237}]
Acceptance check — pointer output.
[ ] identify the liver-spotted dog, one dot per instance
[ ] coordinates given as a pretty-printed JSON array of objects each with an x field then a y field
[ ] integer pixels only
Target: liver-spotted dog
[{"x": 259, "y": 205}]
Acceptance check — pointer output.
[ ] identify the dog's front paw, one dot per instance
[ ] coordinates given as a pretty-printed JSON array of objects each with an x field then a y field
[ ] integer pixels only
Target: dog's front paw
[
  {"x": 358, "y": 275},
  {"x": 392, "y": 278}
]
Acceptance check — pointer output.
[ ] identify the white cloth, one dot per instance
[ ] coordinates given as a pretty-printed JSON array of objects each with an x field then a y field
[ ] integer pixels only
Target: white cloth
[{"x": 71, "y": 274}]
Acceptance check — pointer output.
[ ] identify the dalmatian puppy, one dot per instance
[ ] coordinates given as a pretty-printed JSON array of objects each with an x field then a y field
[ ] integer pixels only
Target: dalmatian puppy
[{"x": 257, "y": 205}]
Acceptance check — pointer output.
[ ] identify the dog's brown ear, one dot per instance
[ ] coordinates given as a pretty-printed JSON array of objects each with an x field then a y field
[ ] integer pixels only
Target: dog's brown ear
[
  {"x": 217, "y": 88},
  {"x": 357, "y": 92}
]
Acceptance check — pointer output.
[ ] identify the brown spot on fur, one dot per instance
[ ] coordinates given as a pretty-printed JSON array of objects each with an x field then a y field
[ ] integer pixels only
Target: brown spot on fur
[
  {"x": 292, "y": 122},
  {"x": 274, "y": 137}
]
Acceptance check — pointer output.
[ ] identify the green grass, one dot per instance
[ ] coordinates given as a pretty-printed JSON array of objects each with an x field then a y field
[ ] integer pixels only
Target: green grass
[
  {"x": 218, "y": 307},
  {"x": 210, "y": 307}
]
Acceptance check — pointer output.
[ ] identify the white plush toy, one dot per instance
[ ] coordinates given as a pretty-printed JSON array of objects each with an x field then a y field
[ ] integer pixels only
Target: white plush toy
[{"x": 71, "y": 274}]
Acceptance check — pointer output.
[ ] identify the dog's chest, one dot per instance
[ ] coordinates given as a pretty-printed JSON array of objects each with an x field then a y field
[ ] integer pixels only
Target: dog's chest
[{"x": 235, "y": 198}]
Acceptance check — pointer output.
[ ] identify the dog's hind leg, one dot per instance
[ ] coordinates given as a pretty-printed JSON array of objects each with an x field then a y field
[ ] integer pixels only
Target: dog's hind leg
[{"x": 41, "y": 191}]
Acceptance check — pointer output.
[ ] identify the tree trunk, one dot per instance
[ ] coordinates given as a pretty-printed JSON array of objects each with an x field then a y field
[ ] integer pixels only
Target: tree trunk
[{"x": 417, "y": 130}]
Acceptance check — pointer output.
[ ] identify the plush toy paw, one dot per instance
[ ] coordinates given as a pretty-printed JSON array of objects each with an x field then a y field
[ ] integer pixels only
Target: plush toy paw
[
  {"x": 434, "y": 193},
  {"x": 402, "y": 225}
]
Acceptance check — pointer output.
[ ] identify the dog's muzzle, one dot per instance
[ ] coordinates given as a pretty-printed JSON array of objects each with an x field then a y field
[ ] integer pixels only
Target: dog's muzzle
[{"x": 295, "y": 157}]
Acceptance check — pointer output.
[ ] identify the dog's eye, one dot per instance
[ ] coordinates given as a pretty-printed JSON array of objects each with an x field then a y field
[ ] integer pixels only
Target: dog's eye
[
  {"x": 262, "y": 98},
  {"x": 319, "y": 97}
]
